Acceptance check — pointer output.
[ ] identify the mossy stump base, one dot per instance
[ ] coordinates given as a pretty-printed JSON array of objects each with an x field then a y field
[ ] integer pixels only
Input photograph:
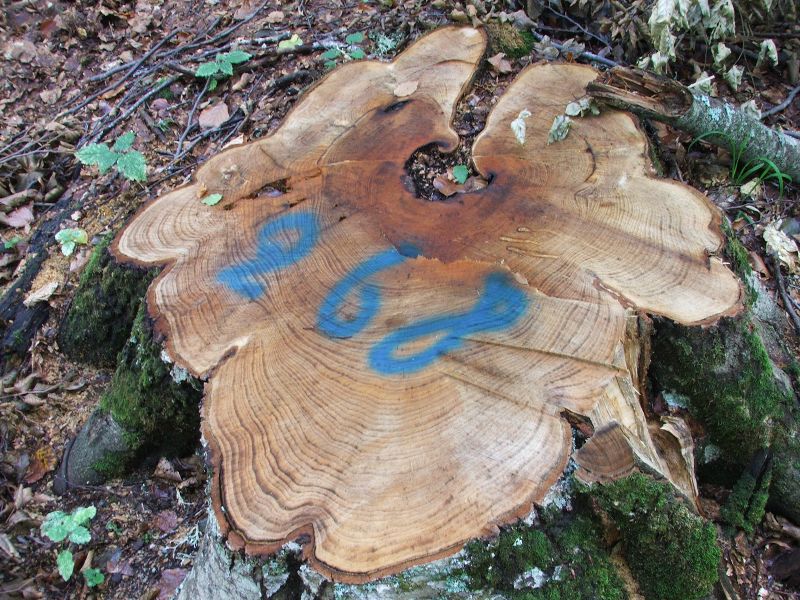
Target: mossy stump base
[
  {"x": 149, "y": 410},
  {"x": 99, "y": 319}
]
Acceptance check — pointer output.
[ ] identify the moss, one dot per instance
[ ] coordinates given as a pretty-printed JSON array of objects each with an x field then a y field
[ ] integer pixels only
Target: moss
[
  {"x": 740, "y": 261},
  {"x": 158, "y": 415},
  {"x": 745, "y": 506},
  {"x": 728, "y": 377},
  {"x": 568, "y": 550},
  {"x": 672, "y": 553},
  {"x": 504, "y": 37},
  {"x": 103, "y": 308},
  {"x": 113, "y": 464}
]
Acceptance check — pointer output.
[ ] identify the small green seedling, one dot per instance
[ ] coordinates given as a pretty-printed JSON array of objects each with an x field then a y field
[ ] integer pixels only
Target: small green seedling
[
  {"x": 460, "y": 173},
  {"x": 350, "y": 51},
  {"x": 223, "y": 64},
  {"x": 10, "y": 244},
  {"x": 69, "y": 239},
  {"x": 58, "y": 527},
  {"x": 129, "y": 162},
  {"x": 290, "y": 44},
  {"x": 760, "y": 169}
]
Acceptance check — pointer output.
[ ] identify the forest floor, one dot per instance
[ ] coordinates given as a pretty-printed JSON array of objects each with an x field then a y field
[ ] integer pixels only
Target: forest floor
[{"x": 68, "y": 77}]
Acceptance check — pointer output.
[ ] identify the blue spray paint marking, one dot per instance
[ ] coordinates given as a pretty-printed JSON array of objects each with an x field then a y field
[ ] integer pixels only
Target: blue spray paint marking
[
  {"x": 272, "y": 254},
  {"x": 499, "y": 306},
  {"x": 368, "y": 295}
]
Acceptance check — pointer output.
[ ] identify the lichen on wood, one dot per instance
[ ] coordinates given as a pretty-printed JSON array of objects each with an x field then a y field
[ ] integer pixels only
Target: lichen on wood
[{"x": 387, "y": 374}]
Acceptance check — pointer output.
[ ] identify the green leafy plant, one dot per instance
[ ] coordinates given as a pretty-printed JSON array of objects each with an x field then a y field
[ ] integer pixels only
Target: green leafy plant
[
  {"x": 9, "y": 244},
  {"x": 761, "y": 168},
  {"x": 130, "y": 163},
  {"x": 290, "y": 44},
  {"x": 70, "y": 238},
  {"x": 58, "y": 527},
  {"x": 223, "y": 64},
  {"x": 460, "y": 173},
  {"x": 350, "y": 51}
]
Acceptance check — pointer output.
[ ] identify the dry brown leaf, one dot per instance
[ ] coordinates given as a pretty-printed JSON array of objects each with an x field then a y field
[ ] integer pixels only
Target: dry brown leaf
[
  {"x": 41, "y": 294},
  {"x": 19, "y": 218},
  {"x": 169, "y": 582},
  {"x": 447, "y": 187},
  {"x": 275, "y": 16},
  {"x": 166, "y": 521},
  {"x": 50, "y": 96},
  {"x": 500, "y": 64},
  {"x": 165, "y": 470},
  {"x": 214, "y": 116}
]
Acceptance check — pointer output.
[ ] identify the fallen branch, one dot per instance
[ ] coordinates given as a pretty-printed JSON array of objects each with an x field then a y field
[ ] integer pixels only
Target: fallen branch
[
  {"x": 787, "y": 304},
  {"x": 663, "y": 99},
  {"x": 783, "y": 105}
]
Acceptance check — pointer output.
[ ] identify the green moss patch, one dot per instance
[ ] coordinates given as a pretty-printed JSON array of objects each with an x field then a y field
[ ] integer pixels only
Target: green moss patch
[
  {"x": 672, "y": 553},
  {"x": 740, "y": 261},
  {"x": 100, "y": 316},
  {"x": 504, "y": 37},
  {"x": 727, "y": 375},
  {"x": 158, "y": 415},
  {"x": 564, "y": 559},
  {"x": 745, "y": 506}
]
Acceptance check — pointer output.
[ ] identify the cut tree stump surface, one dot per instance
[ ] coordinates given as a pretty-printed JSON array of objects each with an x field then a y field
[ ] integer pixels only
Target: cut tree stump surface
[{"x": 387, "y": 374}]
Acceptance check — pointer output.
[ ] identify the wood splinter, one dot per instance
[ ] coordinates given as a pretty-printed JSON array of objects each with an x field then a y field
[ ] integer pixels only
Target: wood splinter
[{"x": 386, "y": 374}]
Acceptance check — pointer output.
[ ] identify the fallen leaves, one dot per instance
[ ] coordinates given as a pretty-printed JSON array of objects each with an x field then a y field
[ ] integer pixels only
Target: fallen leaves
[
  {"x": 18, "y": 218},
  {"x": 41, "y": 294},
  {"x": 214, "y": 116},
  {"x": 781, "y": 245},
  {"x": 169, "y": 582},
  {"x": 166, "y": 521},
  {"x": 499, "y": 64}
]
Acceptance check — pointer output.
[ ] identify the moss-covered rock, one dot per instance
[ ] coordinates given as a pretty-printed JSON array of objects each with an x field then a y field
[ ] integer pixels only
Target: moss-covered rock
[
  {"x": 102, "y": 311},
  {"x": 157, "y": 414},
  {"x": 672, "y": 553},
  {"x": 563, "y": 559},
  {"x": 513, "y": 42}
]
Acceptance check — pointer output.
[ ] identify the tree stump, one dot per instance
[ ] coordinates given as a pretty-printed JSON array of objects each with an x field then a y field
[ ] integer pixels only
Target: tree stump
[{"x": 388, "y": 376}]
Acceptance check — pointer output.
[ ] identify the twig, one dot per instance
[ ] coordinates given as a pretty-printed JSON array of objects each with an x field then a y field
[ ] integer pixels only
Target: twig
[
  {"x": 286, "y": 80},
  {"x": 190, "y": 118},
  {"x": 578, "y": 25},
  {"x": 122, "y": 67},
  {"x": 783, "y": 105},
  {"x": 784, "y": 296},
  {"x": 166, "y": 83},
  {"x": 585, "y": 55},
  {"x": 119, "y": 82}
]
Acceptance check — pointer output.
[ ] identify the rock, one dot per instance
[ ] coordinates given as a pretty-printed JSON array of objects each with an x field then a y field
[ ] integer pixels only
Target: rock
[{"x": 99, "y": 437}]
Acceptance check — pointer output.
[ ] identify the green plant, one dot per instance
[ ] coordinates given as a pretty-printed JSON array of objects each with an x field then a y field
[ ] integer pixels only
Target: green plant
[
  {"x": 352, "y": 50},
  {"x": 129, "y": 162},
  {"x": 59, "y": 526},
  {"x": 761, "y": 168},
  {"x": 460, "y": 173},
  {"x": 10, "y": 244},
  {"x": 69, "y": 238},
  {"x": 222, "y": 65},
  {"x": 672, "y": 553}
]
